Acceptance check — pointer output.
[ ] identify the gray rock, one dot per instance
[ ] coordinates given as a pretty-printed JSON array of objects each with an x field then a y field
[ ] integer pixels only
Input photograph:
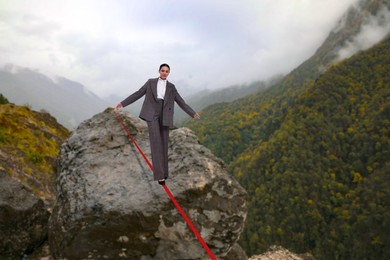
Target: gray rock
[
  {"x": 23, "y": 219},
  {"x": 278, "y": 253},
  {"x": 108, "y": 205},
  {"x": 235, "y": 253}
]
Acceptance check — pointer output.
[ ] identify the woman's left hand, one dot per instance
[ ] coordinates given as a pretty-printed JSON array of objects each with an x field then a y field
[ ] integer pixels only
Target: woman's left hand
[{"x": 197, "y": 116}]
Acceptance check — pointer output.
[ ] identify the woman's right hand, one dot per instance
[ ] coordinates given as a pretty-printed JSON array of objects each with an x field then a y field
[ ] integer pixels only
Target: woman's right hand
[{"x": 119, "y": 106}]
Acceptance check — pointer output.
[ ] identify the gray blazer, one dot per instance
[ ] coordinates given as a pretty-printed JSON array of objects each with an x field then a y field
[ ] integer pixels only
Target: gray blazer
[{"x": 149, "y": 89}]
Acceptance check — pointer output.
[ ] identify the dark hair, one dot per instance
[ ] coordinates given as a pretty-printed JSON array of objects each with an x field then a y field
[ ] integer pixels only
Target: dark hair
[{"x": 164, "y": 65}]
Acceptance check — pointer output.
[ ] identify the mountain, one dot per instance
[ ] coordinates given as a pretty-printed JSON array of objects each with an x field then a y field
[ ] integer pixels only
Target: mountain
[
  {"x": 312, "y": 151},
  {"x": 321, "y": 182},
  {"x": 205, "y": 98},
  {"x": 69, "y": 101}
]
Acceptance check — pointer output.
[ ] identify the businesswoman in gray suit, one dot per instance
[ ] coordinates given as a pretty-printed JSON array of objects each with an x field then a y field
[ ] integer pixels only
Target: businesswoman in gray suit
[{"x": 157, "y": 111}]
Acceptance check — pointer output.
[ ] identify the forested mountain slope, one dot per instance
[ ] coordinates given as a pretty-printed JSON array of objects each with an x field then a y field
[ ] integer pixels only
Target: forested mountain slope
[
  {"x": 320, "y": 183},
  {"x": 313, "y": 151}
]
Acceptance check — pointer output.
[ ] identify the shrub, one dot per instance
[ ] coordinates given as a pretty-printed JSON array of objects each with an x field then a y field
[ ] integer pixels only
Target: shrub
[
  {"x": 35, "y": 157},
  {"x": 3, "y": 100}
]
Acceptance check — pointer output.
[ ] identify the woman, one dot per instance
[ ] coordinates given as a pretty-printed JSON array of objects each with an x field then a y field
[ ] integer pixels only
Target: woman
[{"x": 157, "y": 111}]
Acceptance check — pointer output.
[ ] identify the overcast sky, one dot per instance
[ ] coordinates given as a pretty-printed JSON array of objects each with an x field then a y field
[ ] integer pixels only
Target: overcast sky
[{"x": 113, "y": 47}]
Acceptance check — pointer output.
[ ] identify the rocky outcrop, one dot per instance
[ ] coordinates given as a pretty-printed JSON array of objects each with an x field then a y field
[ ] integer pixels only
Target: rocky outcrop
[
  {"x": 29, "y": 144},
  {"x": 280, "y": 253},
  {"x": 108, "y": 205},
  {"x": 23, "y": 218}
]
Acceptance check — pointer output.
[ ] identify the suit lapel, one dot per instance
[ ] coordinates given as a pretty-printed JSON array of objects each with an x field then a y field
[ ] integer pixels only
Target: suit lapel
[
  {"x": 168, "y": 93},
  {"x": 154, "y": 88}
]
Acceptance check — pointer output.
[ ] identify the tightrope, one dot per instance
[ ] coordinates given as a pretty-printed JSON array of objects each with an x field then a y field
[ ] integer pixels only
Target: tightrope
[{"x": 179, "y": 208}]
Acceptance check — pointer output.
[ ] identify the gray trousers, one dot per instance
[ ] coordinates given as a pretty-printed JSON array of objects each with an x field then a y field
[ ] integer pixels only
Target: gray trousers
[{"x": 159, "y": 137}]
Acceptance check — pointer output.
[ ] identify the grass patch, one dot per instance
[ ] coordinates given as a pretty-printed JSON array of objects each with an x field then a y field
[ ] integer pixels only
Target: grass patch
[{"x": 35, "y": 157}]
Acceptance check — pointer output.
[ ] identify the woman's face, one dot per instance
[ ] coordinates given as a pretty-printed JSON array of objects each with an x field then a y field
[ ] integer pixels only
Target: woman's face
[{"x": 164, "y": 72}]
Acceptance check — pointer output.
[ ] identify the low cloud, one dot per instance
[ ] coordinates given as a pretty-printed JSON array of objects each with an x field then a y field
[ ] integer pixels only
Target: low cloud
[{"x": 375, "y": 28}]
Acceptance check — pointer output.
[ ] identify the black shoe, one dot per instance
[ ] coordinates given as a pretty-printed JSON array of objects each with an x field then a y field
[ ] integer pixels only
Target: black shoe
[{"x": 161, "y": 182}]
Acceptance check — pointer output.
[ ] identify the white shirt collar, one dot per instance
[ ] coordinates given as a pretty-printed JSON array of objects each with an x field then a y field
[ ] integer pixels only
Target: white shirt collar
[{"x": 161, "y": 87}]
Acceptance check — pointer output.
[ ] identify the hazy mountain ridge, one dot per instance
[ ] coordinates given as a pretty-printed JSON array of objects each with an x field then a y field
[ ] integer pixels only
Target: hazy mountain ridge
[
  {"x": 69, "y": 101},
  {"x": 202, "y": 99}
]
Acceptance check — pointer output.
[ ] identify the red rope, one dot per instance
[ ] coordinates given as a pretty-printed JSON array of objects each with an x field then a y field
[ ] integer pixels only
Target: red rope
[
  {"x": 179, "y": 208},
  {"x": 189, "y": 223},
  {"x": 132, "y": 139}
]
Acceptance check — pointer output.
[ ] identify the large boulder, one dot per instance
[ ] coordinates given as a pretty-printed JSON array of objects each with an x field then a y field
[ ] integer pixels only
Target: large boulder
[
  {"x": 23, "y": 218},
  {"x": 108, "y": 205}
]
